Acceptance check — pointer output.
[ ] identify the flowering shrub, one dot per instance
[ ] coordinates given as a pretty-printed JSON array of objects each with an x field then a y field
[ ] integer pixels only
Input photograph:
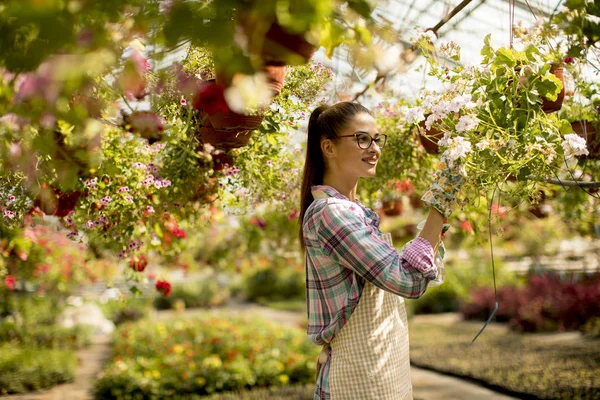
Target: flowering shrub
[
  {"x": 547, "y": 303},
  {"x": 209, "y": 354}
]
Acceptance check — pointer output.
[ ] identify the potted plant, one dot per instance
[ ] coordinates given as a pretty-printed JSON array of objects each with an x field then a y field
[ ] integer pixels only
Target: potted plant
[
  {"x": 583, "y": 113},
  {"x": 492, "y": 115},
  {"x": 393, "y": 195}
]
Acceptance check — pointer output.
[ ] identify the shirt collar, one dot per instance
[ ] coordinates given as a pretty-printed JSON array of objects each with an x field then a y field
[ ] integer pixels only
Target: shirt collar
[{"x": 329, "y": 191}]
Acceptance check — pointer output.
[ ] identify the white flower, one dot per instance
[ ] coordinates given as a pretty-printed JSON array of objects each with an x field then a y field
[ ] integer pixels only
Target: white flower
[
  {"x": 415, "y": 115},
  {"x": 138, "y": 165},
  {"x": 456, "y": 104},
  {"x": 248, "y": 91},
  {"x": 430, "y": 120},
  {"x": 484, "y": 144},
  {"x": 574, "y": 145},
  {"x": 466, "y": 123},
  {"x": 445, "y": 141},
  {"x": 459, "y": 148},
  {"x": 386, "y": 59}
]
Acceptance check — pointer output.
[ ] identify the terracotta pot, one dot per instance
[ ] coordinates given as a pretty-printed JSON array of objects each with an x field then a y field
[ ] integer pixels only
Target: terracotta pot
[
  {"x": 393, "y": 207},
  {"x": 415, "y": 201},
  {"x": 587, "y": 131},
  {"x": 224, "y": 140},
  {"x": 429, "y": 140},
  {"x": 275, "y": 77},
  {"x": 552, "y": 106}
]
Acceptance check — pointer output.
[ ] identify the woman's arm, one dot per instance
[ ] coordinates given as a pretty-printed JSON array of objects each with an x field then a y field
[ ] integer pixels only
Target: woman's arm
[{"x": 433, "y": 228}]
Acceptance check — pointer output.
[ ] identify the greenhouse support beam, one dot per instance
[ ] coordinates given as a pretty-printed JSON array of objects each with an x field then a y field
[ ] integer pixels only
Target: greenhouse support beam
[{"x": 405, "y": 53}]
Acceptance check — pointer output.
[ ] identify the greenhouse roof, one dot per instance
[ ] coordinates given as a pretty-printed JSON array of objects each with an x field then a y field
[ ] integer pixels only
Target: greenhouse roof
[{"x": 467, "y": 28}]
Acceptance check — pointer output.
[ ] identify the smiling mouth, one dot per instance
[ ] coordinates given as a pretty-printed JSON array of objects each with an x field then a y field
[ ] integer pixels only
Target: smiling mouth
[{"x": 371, "y": 161}]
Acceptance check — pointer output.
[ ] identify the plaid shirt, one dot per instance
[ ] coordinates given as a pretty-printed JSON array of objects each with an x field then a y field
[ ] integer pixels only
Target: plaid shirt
[{"x": 343, "y": 249}]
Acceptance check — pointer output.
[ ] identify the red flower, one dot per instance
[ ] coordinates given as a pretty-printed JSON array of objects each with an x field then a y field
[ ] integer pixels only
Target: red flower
[
  {"x": 163, "y": 287},
  {"x": 258, "y": 222},
  {"x": 180, "y": 233},
  {"x": 211, "y": 99},
  {"x": 293, "y": 215},
  {"x": 138, "y": 263},
  {"x": 9, "y": 281},
  {"x": 466, "y": 226},
  {"x": 569, "y": 60}
]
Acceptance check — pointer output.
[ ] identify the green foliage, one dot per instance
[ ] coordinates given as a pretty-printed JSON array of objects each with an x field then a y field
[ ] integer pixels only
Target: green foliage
[
  {"x": 530, "y": 365},
  {"x": 24, "y": 370},
  {"x": 45, "y": 336},
  {"x": 212, "y": 353},
  {"x": 462, "y": 276},
  {"x": 592, "y": 328},
  {"x": 274, "y": 283},
  {"x": 125, "y": 310},
  {"x": 205, "y": 293}
]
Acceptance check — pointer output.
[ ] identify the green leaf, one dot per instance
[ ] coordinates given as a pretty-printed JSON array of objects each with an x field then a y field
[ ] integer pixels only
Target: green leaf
[
  {"x": 505, "y": 56},
  {"x": 564, "y": 127},
  {"x": 158, "y": 230},
  {"x": 549, "y": 86},
  {"x": 487, "y": 51},
  {"x": 135, "y": 291},
  {"x": 362, "y": 7}
]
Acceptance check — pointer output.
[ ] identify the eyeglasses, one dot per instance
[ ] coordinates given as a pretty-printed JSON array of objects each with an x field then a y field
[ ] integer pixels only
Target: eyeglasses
[{"x": 365, "y": 140}]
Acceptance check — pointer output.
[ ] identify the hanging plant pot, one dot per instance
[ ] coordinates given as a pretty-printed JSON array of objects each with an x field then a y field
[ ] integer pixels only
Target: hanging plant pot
[
  {"x": 275, "y": 77},
  {"x": 224, "y": 140},
  {"x": 429, "y": 138},
  {"x": 234, "y": 122},
  {"x": 392, "y": 208},
  {"x": 277, "y": 46},
  {"x": 587, "y": 131},
  {"x": 415, "y": 201},
  {"x": 551, "y": 106}
]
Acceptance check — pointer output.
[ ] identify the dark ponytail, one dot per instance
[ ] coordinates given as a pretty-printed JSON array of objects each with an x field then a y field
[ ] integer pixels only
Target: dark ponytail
[{"x": 325, "y": 122}]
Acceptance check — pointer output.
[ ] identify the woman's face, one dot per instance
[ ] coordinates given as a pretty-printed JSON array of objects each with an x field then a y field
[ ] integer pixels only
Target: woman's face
[{"x": 350, "y": 159}]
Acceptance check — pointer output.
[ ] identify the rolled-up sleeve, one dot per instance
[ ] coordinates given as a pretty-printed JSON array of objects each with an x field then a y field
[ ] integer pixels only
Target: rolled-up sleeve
[{"x": 344, "y": 236}]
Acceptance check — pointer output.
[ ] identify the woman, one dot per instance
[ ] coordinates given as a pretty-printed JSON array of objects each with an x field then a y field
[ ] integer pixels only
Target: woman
[{"x": 355, "y": 280}]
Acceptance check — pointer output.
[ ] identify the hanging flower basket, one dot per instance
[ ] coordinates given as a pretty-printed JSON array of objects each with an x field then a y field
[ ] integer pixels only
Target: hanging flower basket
[
  {"x": 277, "y": 46},
  {"x": 587, "y": 131},
  {"x": 224, "y": 140},
  {"x": 275, "y": 77},
  {"x": 551, "y": 106},
  {"x": 429, "y": 138},
  {"x": 392, "y": 208}
]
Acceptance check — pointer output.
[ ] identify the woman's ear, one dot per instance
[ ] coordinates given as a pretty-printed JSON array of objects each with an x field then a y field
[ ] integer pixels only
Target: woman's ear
[{"x": 327, "y": 148}]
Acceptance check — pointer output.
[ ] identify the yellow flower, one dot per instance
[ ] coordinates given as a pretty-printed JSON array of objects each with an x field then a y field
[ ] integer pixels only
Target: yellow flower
[
  {"x": 284, "y": 379},
  {"x": 200, "y": 381}
]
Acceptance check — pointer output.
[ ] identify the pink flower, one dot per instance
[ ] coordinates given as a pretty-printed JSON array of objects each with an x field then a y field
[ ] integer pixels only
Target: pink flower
[
  {"x": 150, "y": 209},
  {"x": 9, "y": 281},
  {"x": 157, "y": 184},
  {"x": 269, "y": 163},
  {"x": 129, "y": 199},
  {"x": 105, "y": 200},
  {"x": 166, "y": 183},
  {"x": 90, "y": 224},
  {"x": 91, "y": 183},
  {"x": 138, "y": 165},
  {"x": 11, "y": 199},
  {"x": 72, "y": 235},
  {"x": 183, "y": 102},
  {"x": 466, "y": 226},
  {"x": 122, "y": 254},
  {"x": 8, "y": 214},
  {"x": 123, "y": 189}
]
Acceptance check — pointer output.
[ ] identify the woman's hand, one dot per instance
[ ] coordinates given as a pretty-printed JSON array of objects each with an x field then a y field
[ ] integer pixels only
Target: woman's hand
[{"x": 449, "y": 179}]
